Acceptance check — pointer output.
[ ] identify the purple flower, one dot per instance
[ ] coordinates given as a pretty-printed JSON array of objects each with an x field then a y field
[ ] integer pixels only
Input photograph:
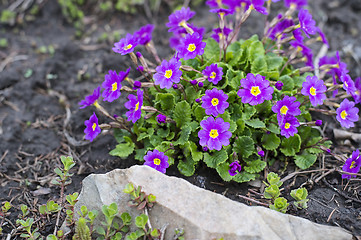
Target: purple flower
[
  {"x": 161, "y": 118},
  {"x": 137, "y": 85},
  {"x": 315, "y": 89},
  {"x": 255, "y": 89},
  {"x": 347, "y": 113},
  {"x": 178, "y": 18},
  {"x": 168, "y": 73},
  {"x": 144, "y": 34},
  {"x": 322, "y": 37},
  {"x": 258, "y": 6},
  {"x": 214, "y": 133},
  {"x": 214, "y": 73},
  {"x": 157, "y": 160},
  {"x": 352, "y": 164},
  {"x": 179, "y": 34},
  {"x": 341, "y": 66},
  {"x": 287, "y": 106},
  {"x": 318, "y": 122},
  {"x": 92, "y": 128},
  {"x": 348, "y": 83},
  {"x": 277, "y": 30},
  {"x": 112, "y": 85},
  {"x": 125, "y": 45},
  {"x": 288, "y": 126},
  {"x": 134, "y": 106},
  {"x": 279, "y": 85},
  {"x": 295, "y": 4},
  {"x": 297, "y": 34},
  {"x": 219, "y": 34},
  {"x": 357, "y": 93},
  {"x": 233, "y": 167},
  {"x": 307, "y": 24},
  {"x": 91, "y": 99},
  {"x": 306, "y": 52},
  {"x": 194, "y": 82},
  {"x": 215, "y": 102},
  {"x": 261, "y": 153},
  {"x": 221, "y": 12},
  {"x": 200, "y": 84},
  {"x": 191, "y": 46}
]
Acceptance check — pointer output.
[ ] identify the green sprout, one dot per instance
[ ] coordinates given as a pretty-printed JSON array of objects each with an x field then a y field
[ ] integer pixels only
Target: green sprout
[
  {"x": 300, "y": 195},
  {"x": 280, "y": 205}
]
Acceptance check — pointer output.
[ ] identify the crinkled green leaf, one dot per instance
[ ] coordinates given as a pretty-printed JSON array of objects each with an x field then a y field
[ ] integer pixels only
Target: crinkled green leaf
[
  {"x": 273, "y": 128},
  {"x": 163, "y": 132},
  {"x": 187, "y": 167},
  {"x": 244, "y": 177},
  {"x": 119, "y": 134},
  {"x": 255, "y": 123},
  {"x": 166, "y": 100},
  {"x": 211, "y": 51},
  {"x": 255, "y": 166},
  {"x": 215, "y": 158},
  {"x": 146, "y": 134},
  {"x": 290, "y": 146},
  {"x": 234, "y": 78},
  {"x": 184, "y": 135},
  {"x": 191, "y": 94},
  {"x": 123, "y": 150},
  {"x": 190, "y": 148},
  {"x": 259, "y": 65},
  {"x": 274, "y": 62},
  {"x": 199, "y": 113},
  {"x": 305, "y": 160},
  {"x": 222, "y": 170},
  {"x": 256, "y": 50},
  {"x": 244, "y": 146},
  {"x": 182, "y": 113},
  {"x": 234, "y": 53},
  {"x": 155, "y": 140},
  {"x": 288, "y": 84},
  {"x": 270, "y": 141},
  {"x": 248, "y": 111}
]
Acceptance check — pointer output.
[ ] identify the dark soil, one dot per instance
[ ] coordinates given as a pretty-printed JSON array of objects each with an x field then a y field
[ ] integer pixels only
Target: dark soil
[{"x": 35, "y": 128}]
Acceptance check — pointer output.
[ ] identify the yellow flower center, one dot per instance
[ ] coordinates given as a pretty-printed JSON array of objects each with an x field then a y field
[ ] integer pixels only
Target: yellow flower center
[
  {"x": 299, "y": 49},
  {"x": 313, "y": 91},
  {"x": 215, "y": 101},
  {"x": 114, "y": 86},
  {"x": 284, "y": 110},
  {"x": 129, "y": 46},
  {"x": 344, "y": 114},
  {"x": 136, "y": 106},
  {"x": 94, "y": 126},
  {"x": 346, "y": 85},
  {"x": 156, "y": 161},
  {"x": 358, "y": 92},
  {"x": 287, "y": 126},
  {"x": 213, "y": 133},
  {"x": 191, "y": 47},
  {"x": 213, "y": 75},
  {"x": 220, "y": 35},
  {"x": 168, "y": 74},
  {"x": 255, "y": 91}
]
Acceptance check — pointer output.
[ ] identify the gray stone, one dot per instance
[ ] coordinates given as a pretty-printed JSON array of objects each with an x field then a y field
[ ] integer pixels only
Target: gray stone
[{"x": 201, "y": 213}]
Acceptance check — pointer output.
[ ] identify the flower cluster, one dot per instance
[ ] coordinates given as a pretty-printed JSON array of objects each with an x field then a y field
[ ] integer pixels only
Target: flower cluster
[{"x": 232, "y": 104}]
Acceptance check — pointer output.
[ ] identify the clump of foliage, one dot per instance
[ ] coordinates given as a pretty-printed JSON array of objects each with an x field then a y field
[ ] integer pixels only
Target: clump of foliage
[{"x": 234, "y": 105}]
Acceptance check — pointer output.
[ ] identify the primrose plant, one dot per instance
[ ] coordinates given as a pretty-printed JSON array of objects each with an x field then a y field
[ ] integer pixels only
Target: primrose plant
[{"x": 234, "y": 105}]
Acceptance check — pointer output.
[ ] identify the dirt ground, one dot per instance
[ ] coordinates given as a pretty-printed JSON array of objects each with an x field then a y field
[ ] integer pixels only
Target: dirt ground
[{"x": 40, "y": 119}]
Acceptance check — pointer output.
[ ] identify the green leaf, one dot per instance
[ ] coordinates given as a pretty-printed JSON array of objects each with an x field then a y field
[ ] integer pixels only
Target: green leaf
[
  {"x": 255, "y": 123},
  {"x": 184, "y": 135},
  {"x": 199, "y": 113},
  {"x": 123, "y": 150},
  {"x": 222, "y": 170},
  {"x": 256, "y": 50},
  {"x": 234, "y": 78},
  {"x": 140, "y": 153},
  {"x": 163, "y": 132},
  {"x": 259, "y": 65},
  {"x": 288, "y": 84},
  {"x": 191, "y": 94},
  {"x": 244, "y": 146},
  {"x": 305, "y": 160},
  {"x": 214, "y": 159},
  {"x": 126, "y": 218},
  {"x": 255, "y": 166},
  {"x": 270, "y": 141},
  {"x": 155, "y": 140},
  {"x": 149, "y": 133},
  {"x": 274, "y": 62},
  {"x": 190, "y": 148},
  {"x": 244, "y": 177},
  {"x": 290, "y": 146},
  {"x": 166, "y": 100},
  {"x": 141, "y": 221},
  {"x": 234, "y": 53},
  {"x": 273, "y": 128},
  {"x": 100, "y": 231},
  {"x": 211, "y": 51},
  {"x": 187, "y": 167},
  {"x": 182, "y": 113},
  {"x": 248, "y": 111}
]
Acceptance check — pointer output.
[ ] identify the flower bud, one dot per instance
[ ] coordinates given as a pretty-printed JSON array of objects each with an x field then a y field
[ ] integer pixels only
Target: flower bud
[
  {"x": 261, "y": 153},
  {"x": 140, "y": 68},
  {"x": 194, "y": 82},
  {"x": 318, "y": 122},
  {"x": 137, "y": 85},
  {"x": 161, "y": 118},
  {"x": 139, "y": 55},
  {"x": 175, "y": 86},
  {"x": 198, "y": 100},
  {"x": 200, "y": 84},
  {"x": 279, "y": 85},
  {"x": 205, "y": 149}
]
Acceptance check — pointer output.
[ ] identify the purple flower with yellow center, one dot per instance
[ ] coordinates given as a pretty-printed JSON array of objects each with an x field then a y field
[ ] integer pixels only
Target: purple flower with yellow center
[
  {"x": 287, "y": 106},
  {"x": 221, "y": 12},
  {"x": 91, "y": 99},
  {"x": 348, "y": 83},
  {"x": 307, "y": 24},
  {"x": 295, "y": 4},
  {"x": 305, "y": 51},
  {"x": 215, "y": 102},
  {"x": 134, "y": 105},
  {"x": 175, "y": 40},
  {"x": 214, "y": 133},
  {"x": 347, "y": 113},
  {"x": 214, "y": 73},
  {"x": 288, "y": 126},
  {"x": 112, "y": 85},
  {"x": 352, "y": 164},
  {"x": 168, "y": 73},
  {"x": 256, "y": 89},
  {"x": 258, "y": 6},
  {"x": 277, "y": 30},
  {"x": 191, "y": 46},
  {"x": 92, "y": 128},
  {"x": 357, "y": 93},
  {"x": 179, "y": 18},
  {"x": 157, "y": 160},
  {"x": 234, "y": 168},
  {"x": 144, "y": 34},
  {"x": 221, "y": 34},
  {"x": 315, "y": 89},
  {"x": 125, "y": 45}
]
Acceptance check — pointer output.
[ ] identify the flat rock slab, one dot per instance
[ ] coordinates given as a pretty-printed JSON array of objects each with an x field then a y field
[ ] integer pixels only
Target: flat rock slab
[{"x": 201, "y": 213}]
